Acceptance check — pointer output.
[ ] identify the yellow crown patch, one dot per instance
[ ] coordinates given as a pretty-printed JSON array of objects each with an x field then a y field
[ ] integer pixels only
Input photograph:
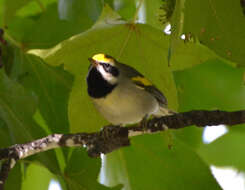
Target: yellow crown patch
[{"x": 102, "y": 58}]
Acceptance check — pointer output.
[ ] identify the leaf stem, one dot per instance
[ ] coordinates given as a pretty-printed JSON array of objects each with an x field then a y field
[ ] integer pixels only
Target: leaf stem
[
  {"x": 12, "y": 40},
  {"x": 137, "y": 11}
]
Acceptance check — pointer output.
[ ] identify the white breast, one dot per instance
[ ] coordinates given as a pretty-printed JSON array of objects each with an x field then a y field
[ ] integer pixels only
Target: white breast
[{"x": 127, "y": 104}]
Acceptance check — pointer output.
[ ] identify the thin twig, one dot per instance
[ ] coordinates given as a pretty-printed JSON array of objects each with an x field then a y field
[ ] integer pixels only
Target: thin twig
[
  {"x": 7, "y": 165},
  {"x": 12, "y": 40},
  {"x": 136, "y": 14}
]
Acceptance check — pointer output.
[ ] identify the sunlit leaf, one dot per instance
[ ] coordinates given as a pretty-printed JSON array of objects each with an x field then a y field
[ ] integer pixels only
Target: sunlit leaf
[
  {"x": 149, "y": 164},
  {"x": 37, "y": 177},
  {"x": 225, "y": 151},
  {"x": 85, "y": 174},
  {"x": 220, "y": 27}
]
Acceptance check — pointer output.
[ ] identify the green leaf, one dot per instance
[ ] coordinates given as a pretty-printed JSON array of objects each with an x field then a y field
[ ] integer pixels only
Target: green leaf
[
  {"x": 74, "y": 10},
  {"x": 220, "y": 27},
  {"x": 34, "y": 7},
  {"x": 187, "y": 55},
  {"x": 183, "y": 55},
  {"x": 225, "y": 151},
  {"x": 14, "y": 180},
  {"x": 125, "y": 8},
  {"x": 4, "y": 134},
  {"x": 17, "y": 107},
  {"x": 52, "y": 86},
  {"x": 36, "y": 177},
  {"x": 152, "y": 13},
  {"x": 212, "y": 85},
  {"x": 82, "y": 172},
  {"x": 1, "y": 12},
  {"x": 49, "y": 27},
  {"x": 10, "y": 8},
  {"x": 14, "y": 8},
  {"x": 149, "y": 164}
]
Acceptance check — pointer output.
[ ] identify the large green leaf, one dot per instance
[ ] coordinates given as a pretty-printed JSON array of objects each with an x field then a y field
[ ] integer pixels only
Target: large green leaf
[
  {"x": 75, "y": 10},
  {"x": 186, "y": 55},
  {"x": 125, "y": 8},
  {"x": 14, "y": 180},
  {"x": 10, "y": 8},
  {"x": 52, "y": 86},
  {"x": 36, "y": 177},
  {"x": 47, "y": 28},
  {"x": 217, "y": 24},
  {"x": 4, "y": 134},
  {"x": 82, "y": 172},
  {"x": 149, "y": 164},
  {"x": 180, "y": 49},
  {"x": 214, "y": 85},
  {"x": 17, "y": 107},
  {"x": 153, "y": 13},
  {"x": 225, "y": 151}
]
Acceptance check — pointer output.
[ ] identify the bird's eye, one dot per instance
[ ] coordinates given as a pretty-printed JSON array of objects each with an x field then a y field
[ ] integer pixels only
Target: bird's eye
[
  {"x": 106, "y": 66},
  {"x": 110, "y": 69}
]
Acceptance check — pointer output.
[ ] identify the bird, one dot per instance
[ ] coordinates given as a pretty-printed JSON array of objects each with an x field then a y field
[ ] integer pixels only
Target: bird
[{"x": 121, "y": 94}]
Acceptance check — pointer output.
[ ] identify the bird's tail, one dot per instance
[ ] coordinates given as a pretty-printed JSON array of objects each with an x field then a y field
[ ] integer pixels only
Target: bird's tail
[{"x": 164, "y": 111}]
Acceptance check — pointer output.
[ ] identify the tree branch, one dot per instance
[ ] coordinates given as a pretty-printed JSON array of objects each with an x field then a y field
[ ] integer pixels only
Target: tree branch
[
  {"x": 7, "y": 165},
  {"x": 114, "y": 137}
]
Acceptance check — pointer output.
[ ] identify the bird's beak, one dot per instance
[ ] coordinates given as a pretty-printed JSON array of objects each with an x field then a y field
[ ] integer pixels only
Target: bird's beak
[{"x": 93, "y": 62}]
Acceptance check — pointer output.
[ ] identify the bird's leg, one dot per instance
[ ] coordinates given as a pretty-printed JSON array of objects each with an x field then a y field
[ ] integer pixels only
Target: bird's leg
[{"x": 143, "y": 122}]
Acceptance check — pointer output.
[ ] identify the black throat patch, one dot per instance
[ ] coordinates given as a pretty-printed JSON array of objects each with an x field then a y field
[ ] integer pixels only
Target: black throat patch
[{"x": 98, "y": 87}]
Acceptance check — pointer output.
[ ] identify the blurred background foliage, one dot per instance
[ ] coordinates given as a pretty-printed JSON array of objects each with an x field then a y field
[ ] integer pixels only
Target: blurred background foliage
[{"x": 198, "y": 64}]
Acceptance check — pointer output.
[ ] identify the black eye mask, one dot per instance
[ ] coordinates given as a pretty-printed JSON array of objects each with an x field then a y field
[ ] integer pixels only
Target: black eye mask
[{"x": 110, "y": 69}]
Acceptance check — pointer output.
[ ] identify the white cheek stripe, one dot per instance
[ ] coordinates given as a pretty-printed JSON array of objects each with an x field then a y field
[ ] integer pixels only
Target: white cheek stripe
[
  {"x": 109, "y": 77},
  {"x": 102, "y": 71}
]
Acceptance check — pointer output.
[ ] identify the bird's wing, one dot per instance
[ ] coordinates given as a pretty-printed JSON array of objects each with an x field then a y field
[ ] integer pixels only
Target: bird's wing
[{"x": 144, "y": 83}]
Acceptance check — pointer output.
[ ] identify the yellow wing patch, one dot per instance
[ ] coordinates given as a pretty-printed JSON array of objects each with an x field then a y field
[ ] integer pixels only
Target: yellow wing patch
[
  {"x": 142, "y": 80},
  {"x": 102, "y": 58}
]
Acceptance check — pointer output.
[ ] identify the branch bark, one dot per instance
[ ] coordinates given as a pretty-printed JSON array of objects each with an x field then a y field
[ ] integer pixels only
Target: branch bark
[{"x": 111, "y": 138}]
